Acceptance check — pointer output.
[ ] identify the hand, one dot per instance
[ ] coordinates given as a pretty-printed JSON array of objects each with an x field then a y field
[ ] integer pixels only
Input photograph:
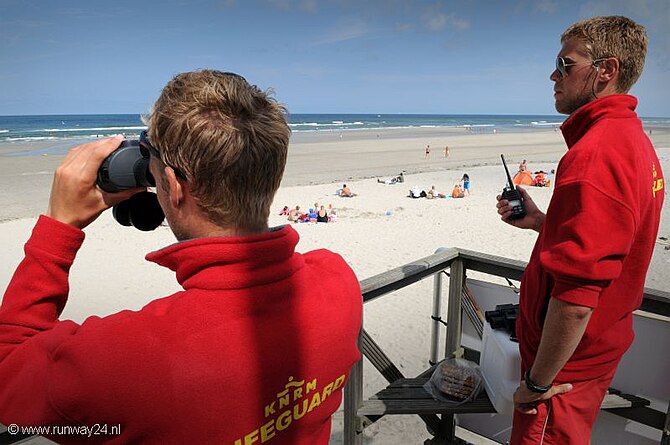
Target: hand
[
  {"x": 525, "y": 400},
  {"x": 534, "y": 218},
  {"x": 75, "y": 198}
]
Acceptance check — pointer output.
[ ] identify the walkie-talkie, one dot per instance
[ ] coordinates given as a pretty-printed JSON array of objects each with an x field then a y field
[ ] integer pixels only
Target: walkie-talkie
[{"x": 512, "y": 195}]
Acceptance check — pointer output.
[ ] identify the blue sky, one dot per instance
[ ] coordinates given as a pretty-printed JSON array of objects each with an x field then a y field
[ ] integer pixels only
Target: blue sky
[{"x": 337, "y": 56}]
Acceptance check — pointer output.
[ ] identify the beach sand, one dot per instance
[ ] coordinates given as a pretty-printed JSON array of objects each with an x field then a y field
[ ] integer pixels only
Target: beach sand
[{"x": 378, "y": 230}]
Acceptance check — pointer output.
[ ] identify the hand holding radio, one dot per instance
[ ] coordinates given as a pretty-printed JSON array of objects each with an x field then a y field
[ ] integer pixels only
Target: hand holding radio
[
  {"x": 75, "y": 199},
  {"x": 516, "y": 207},
  {"x": 534, "y": 216}
]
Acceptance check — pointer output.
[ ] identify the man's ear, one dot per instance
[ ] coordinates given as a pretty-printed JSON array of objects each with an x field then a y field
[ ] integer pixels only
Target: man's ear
[
  {"x": 608, "y": 69},
  {"x": 175, "y": 188}
]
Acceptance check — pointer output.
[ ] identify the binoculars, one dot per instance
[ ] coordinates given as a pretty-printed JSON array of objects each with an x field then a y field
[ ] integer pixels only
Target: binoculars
[
  {"x": 504, "y": 317},
  {"x": 125, "y": 168}
]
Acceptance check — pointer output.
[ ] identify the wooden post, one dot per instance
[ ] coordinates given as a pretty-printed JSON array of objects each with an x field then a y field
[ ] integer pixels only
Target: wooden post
[
  {"x": 437, "y": 313},
  {"x": 453, "y": 344},
  {"x": 353, "y": 398}
]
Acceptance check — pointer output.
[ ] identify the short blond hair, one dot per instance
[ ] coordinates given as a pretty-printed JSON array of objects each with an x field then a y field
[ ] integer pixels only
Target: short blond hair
[
  {"x": 229, "y": 138},
  {"x": 613, "y": 36}
]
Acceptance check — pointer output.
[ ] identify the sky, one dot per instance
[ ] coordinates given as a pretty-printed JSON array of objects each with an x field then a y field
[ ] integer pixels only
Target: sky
[{"x": 318, "y": 56}]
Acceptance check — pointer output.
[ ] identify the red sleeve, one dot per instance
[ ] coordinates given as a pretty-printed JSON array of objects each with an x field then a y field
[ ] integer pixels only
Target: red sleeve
[
  {"x": 29, "y": 327},
  {"x": 588, "y": 234}
]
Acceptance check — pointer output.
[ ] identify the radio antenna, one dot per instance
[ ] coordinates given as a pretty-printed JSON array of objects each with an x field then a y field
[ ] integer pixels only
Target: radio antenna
[{"x": 509, "y": 178}]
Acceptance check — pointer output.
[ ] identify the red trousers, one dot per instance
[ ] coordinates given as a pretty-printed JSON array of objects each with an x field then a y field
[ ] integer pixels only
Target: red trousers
[{"x": 565, "y": 419}]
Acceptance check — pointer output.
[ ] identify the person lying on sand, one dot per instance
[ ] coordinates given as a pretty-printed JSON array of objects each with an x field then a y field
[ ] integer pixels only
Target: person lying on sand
[{"x": 346, "y": 192}]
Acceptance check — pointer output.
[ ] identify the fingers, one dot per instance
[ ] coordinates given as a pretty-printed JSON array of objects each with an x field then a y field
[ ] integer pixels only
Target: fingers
[
  {"x": 504, "y": 210},
  {"x": 94, "y": 154},
  {"x": 526, "y": 408},
  {"x": 75, "y": 198},
  {"x": 559, "y": 389},
  {"x": 524, "y": 194}
]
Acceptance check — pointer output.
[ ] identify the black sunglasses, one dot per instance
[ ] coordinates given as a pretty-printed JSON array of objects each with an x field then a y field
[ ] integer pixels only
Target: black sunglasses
[
  {"x": 562, "y": 66},
  {"x": 147, "y": 150}
]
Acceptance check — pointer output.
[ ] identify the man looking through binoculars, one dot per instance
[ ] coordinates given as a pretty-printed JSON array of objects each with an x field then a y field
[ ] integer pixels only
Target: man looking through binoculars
[{"x": 248, "y": 351}]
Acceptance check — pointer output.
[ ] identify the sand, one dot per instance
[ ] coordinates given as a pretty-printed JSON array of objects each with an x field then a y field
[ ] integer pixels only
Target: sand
[{"x": 378, "y": 230}]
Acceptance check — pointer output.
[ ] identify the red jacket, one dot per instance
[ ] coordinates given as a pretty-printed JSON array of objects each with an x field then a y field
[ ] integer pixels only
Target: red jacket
[
  {"x": 255, "y": 349},
  {"x": 597, "y": 240}
]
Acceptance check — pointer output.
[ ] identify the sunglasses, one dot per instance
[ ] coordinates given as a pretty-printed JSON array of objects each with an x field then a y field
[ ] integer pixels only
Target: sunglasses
[
  {"x": 147, "y": 150},
  {"x": 562, "y": 66}
]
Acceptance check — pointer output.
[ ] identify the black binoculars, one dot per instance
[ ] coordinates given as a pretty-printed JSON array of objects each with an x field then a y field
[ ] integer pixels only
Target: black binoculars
[
  {"x": 504, "y": 317},
  {"x": 125, "y": 168}
]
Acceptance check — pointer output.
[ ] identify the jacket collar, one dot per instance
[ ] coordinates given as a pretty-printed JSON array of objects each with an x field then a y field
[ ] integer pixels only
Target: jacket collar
[
  {"x": 232, "y": 262},
  {"x": 614, "y": 106}
]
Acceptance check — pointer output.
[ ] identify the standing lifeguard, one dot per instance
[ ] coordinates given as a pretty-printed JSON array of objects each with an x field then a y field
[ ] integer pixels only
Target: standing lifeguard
[{"x": 586, "y": 274}]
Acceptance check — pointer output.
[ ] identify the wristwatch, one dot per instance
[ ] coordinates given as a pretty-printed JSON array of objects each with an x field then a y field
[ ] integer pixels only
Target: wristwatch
[{"x": 534, "y": 386}]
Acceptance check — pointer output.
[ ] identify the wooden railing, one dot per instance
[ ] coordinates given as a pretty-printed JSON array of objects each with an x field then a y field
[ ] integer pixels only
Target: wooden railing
[{"x": 458, "y": 261}]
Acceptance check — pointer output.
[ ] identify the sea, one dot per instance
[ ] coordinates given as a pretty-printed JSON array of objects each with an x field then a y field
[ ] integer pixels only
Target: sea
[{"x": 66, "y": 127}]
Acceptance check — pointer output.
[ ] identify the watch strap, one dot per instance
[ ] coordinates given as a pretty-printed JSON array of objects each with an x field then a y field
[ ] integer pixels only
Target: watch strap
[{"x": 534, "y": 387}]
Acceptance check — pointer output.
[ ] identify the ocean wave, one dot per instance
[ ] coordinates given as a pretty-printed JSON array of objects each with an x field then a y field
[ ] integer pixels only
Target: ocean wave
[
  {"x": 546, "y": 124},
  {"x": 53, "y": 138},
  {"x": 324, "y": 124},
  {"x": 4, "y": 131},
  {"x": 63, "y": 130},
  {"x": 36, "y": 138}
]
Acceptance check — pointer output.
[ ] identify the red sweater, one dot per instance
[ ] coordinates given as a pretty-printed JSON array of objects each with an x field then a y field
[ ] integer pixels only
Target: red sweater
[
  {"x": 255, "y": 349},
  {"x": 597, "y": 240}
]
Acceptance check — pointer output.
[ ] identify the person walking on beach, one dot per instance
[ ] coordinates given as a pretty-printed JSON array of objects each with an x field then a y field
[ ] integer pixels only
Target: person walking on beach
[
  {"x": 586, "y": 274},
  {"x": 427, "y": 156},
  {"x": 446, "y": 151},
  {"x": 248, "y": 351}
]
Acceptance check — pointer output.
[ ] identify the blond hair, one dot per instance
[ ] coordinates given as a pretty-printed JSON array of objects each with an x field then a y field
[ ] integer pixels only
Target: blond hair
[
  {"x": 613, "y": 36},
  {"x": 229, "y": 138}
]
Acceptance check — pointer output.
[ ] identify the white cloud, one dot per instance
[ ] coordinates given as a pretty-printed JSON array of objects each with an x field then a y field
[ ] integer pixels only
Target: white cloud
[
  {"x": 436, "y": 19},
  {"x": 347, "y": 31}
]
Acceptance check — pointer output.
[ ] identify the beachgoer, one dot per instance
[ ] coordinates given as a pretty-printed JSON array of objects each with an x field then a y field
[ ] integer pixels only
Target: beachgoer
[
  {"x": 586, "y": 274},
  {"x": 446, "y": 151},
  {"x": 312, "y": 215},
  {"x": 540, "y": 179},
  {"x": 427, "y": 152},
  {"x": 284, "y": 211},
  {"x": 243, "y": 329},
  {"x": 294, "y": 215},
  {"x": 457, "y": 191},
  {"x": 332, "y": 214},
  {"x": 322, "y": 215},
  {"x": 523, "y": 167},
  {"x": 416, "y": 192},
  {"x": 346, "y": 192},
  {"x": 433, "y": 193},
  {"x": 466, "y": 184}
]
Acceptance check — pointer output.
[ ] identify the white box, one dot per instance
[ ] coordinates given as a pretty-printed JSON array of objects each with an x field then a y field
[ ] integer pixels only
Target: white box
[{"x": 500, "y": 364}]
